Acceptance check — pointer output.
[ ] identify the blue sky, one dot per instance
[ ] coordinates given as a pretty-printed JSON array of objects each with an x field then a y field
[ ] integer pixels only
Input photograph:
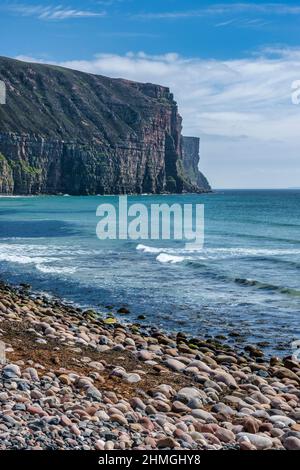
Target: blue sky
[
  {"x": 194, "y": 28},
  {"x": 230, "y": 66}
]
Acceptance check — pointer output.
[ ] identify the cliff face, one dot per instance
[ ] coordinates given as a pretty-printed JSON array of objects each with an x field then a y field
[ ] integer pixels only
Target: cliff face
[
  {"x": 6, "y": 177},
  {"x": 191, "y": 158},
  {"x": 64, "y": 131}
]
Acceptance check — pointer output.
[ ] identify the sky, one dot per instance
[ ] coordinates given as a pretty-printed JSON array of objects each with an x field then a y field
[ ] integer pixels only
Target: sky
[{"x": 232, "y": 67}]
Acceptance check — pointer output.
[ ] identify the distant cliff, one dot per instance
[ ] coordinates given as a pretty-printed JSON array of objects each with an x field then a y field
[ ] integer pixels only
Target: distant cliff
[
  {"x": 191, "y": 159},
  {"x": 64, "y": 131}
]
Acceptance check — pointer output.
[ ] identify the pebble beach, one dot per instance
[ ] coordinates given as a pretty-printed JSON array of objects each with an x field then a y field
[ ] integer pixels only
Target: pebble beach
[{"x": 73, "y": 379}]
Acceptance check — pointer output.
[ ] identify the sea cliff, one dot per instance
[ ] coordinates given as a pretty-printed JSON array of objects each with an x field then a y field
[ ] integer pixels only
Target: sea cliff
[{"x": 64, "y": 131}]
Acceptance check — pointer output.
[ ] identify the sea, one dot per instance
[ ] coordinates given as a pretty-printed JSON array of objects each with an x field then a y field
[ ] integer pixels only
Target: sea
[{"x": 244, "y": 284}]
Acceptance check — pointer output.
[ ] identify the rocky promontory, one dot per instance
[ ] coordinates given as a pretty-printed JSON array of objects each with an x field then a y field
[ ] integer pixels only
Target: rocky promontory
[
  {"x": 64, "y": 131},
  {"x": 191, "y": 159},
  {"x": 72, "y": 379}
]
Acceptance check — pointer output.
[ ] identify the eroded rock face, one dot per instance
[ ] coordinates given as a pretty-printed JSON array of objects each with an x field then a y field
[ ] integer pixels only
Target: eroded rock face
[
  {"x": 6, "y": 177},
  {"x": 191, "y": 158},
  {"x": 64, "y": 131}
]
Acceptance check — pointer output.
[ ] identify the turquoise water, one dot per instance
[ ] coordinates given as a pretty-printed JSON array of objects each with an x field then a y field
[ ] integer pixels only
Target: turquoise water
[{"x": 246, "y": 278}]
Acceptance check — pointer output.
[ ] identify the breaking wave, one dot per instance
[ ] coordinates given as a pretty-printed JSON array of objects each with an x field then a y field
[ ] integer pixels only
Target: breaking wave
[
  {"x": 55, "y": 270},
  {"x": 165, "y": 258}
]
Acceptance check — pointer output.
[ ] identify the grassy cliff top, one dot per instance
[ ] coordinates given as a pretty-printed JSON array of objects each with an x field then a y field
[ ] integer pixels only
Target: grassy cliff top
[{"x": 64, "y": 104}]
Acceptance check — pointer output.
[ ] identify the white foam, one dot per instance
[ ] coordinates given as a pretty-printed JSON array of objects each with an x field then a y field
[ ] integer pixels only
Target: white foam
[
  {"x": 41, "y": 256},
  {"x": 21, "y": 259},
  {"x": 165, "y": 258},
  {"x": 228, "y": 250},
  {"x": 15, "y": 196},
  {"x": 26, "y": 254},
  {"x": 149, "y": 249},
  {"x": 55, "y": 270},
  {"x": 252, "y": 251},
  {"x": 217, "y": 253}
]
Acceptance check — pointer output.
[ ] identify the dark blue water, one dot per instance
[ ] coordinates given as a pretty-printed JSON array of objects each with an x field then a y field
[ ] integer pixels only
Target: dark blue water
[{"x": 246, "y": 278}]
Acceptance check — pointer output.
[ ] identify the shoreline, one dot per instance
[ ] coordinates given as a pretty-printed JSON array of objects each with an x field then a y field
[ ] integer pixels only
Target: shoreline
[
  {"x": 4, "y": 195},
  {"x": 74, "y": 380}
]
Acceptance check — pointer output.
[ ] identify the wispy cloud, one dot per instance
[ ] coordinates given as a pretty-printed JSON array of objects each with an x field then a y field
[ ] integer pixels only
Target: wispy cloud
[
  {"x": 243, "y": 23},
  {"x": 128, "y": 34},
  {"x": 216, "y": 96},
  {"x": 52, "y": 12},
  {"x": 280, "y": 52},
  {"x": 228, "y": 8},
  {"x": 241, "y": 108},
  {"x": 225, "y": 23}
]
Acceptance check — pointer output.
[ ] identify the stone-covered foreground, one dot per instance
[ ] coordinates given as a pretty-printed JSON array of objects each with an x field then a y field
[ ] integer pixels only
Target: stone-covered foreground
[{"x": 74, "y": 381}]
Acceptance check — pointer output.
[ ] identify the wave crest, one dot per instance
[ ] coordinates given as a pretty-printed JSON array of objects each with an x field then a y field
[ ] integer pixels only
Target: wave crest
[{"x": 172, "y": 259}]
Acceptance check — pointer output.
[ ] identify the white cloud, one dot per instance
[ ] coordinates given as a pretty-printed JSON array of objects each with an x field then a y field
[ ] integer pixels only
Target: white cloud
[
  {"x": 242, "y": 109},
  {"x": 243, "y": 23},
  {"x": 51, "y": 12},
  {"x": 225, "y": 8}
]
